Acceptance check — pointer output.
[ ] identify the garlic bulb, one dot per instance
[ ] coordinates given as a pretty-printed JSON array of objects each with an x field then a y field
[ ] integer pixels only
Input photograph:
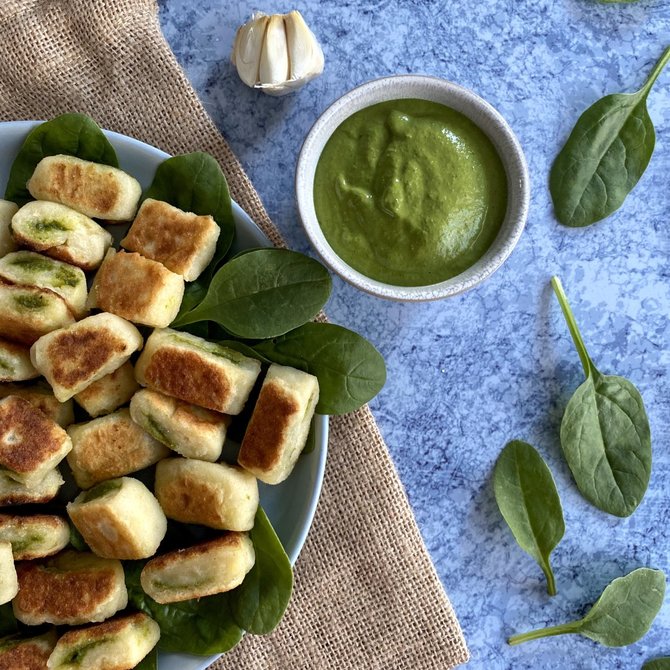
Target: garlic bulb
[{"x": 277, "y": 54}]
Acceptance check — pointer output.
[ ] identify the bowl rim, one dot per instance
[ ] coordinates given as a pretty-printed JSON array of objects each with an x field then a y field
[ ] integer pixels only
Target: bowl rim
[{"x": 501, "y": 135}]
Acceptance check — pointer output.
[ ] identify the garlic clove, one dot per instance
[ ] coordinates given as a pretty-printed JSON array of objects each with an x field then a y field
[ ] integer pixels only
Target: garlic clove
[
  {"x": 277, "y": 54},
  {"x": 274, "y": 67},
  {"x": 304, "y": 53},
  {"x": 247, "y": 48}
]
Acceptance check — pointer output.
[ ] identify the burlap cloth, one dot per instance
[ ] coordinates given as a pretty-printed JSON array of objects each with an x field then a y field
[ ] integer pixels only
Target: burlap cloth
[{"x": 366, "y": 593}]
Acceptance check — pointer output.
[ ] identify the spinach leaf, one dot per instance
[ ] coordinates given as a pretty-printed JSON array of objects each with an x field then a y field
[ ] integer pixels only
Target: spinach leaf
[
  {"x": 202, "y": 627},
  {"x": 243, "y": 348},
  {"x": 71, "y": 134},
  {"x": 605, "y": 433},
  {"x": 259, "y": 603},
  {"x": 8, "y": 623},
  {"x": 529, "y": 502},
  {"x": 195, "y": 183},
  {"x": 263, "y": 293},
  {"x": 149, "y": 662},
  {"x": 605, "y": 156},
  {"x": 662, "y": 663},
  {"x": 349, "y": 369},
  {"x": 622, "y": 615}
]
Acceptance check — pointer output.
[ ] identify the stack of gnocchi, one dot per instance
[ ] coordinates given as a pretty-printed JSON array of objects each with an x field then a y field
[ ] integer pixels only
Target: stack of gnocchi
[{"x": 169, "y": 406}]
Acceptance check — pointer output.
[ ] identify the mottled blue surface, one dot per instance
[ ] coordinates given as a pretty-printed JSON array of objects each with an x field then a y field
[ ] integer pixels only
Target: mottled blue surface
[{"x": 469, "y": 374}]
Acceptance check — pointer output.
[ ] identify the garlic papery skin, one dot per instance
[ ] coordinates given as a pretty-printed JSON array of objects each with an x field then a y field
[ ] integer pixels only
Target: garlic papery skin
[{"x": 277, "y": 54}]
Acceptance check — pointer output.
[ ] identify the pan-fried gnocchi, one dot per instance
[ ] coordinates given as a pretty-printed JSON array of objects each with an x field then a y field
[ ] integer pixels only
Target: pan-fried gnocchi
[
  {"x": 15, "y": 363},
  {"x": 7, "y": 242},
  {"x": 28, "y": 312},
  {"x": 109, "y": 392},
  {"x": 138, "y": 289},
  {"x": 27, "y": 653},
  {"x": 9, "y": 585},
  {"x": 16, "y": 493},
  {"x": 182, "y": 241},
  {"x": 62, "y": 233},
  {"x": 34, "y": 536},
  {"x": 202, "y": 570},
  {"x": 118, "y": 644},
  {"x": 67, "y": 281},
  {"x": 74, "y": 357},
  {"x": 39, "y": 395},
  {"x": 96, "y": 190}
]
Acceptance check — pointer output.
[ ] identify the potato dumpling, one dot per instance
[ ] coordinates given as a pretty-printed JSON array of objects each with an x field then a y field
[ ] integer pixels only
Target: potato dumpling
[
  {"x": 202, "y": 570},
  {"x": 189, "y": 430},
  {"x": 182, "y": 241},
  {"x": 30, "y": 653},
  {"x": 7, "y": 211},
  {"x": 279, "y": 425},
  {"x": 62, "y": 233},
  {"x": 15, "y": 493},
  {"x": 15, "y": 364},
  {"x": 9, "y": 585},
  {"x": 31, "y": 444},
  {"x": 67, "y": 281},
  {"x": 96, "y": 190},
  {"x": 70, "y": 588},
  {"x": 41, "y": 396},
  {"x": 119, "y": 518},
  {"x": 28, "y": 312},
  {"x": 138, "y": 289},
  {"x": 109, "y": 392},
  {"x": 73, "y": 357},
  {"x": 34, "y": 536},
  {"x": 118, "y": 644},
  {"x": 210, "y": 494},
  {"x": 197, "y": 371},
  {"x": 110, "y": 446}
]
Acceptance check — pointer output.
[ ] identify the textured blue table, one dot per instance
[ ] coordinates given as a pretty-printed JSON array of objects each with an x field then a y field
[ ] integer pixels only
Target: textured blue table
[{"x": 469, "y": 374}]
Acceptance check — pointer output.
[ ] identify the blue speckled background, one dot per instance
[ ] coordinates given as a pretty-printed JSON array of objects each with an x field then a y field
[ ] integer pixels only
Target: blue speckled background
[{"x": 469, "y": 374}]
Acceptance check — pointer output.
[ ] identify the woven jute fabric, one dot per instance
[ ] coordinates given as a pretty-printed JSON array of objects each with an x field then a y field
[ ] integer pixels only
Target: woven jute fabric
[{"x": 366, "y": 593}]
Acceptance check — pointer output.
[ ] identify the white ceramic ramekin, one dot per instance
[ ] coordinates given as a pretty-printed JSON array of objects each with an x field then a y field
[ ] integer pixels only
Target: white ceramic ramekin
[{"x": 467, "y": 103}]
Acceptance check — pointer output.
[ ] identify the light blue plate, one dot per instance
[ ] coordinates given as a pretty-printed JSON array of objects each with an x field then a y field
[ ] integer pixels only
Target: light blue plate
[{"x": 290, "y": 505}]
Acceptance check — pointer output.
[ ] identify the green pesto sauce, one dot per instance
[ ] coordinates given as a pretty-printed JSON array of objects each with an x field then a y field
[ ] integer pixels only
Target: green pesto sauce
[
  {"x": 6, "y": 366},
  {"x": 410, "y": 192},
  {"x": 58, "y": 275},
  {"x": 30, "y": 301},
  {"x": 101, "y": 490},
  {"x": 158, "y": 432},
  {"x": 44, "y": 228},
  {"x": 210, "y": 348}
]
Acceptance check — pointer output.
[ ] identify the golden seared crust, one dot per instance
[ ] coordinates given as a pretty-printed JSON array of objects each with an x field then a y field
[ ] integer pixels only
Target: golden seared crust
[
  {"x": 96, "y": 190},
  {"x": 109, "y": 392},
  {"x": 111, "y": 446},
  {"x": 138, "y": 289},
  {"x": 40, "y": 396},
  {"x": 30, "y": 654},
  {"x": 182, "y": 241},
  {"x": 231, "y": 539},
  {"x": 15, "y": 364},
  {"x": 103, "y": 630},
  {"x": 15, "y": 493},
  {"x": 74, "y": 357},
  {"x": 27, "y": 313},
  {"x": 29, "y": 440},
  {"x": 34, "y": 536},
  {"x": 210, "y": 494},
  {"x": 264, "y": 438},
  {"x": 70, "y": 588}
]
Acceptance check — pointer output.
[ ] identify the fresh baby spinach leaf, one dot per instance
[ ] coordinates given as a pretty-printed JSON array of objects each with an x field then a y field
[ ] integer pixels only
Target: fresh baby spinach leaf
[
  {"x": 622, "y": 615},
  {"x": 349, "y": 369},
  {"x": 529, "y": 502},
  {"x": 263, "y": 293},
  {"x": 662, "y": 663},
  {"x": 195, "y": 183},
  {"x": 605, "y": 155},
  {"x": 259, "y": 603},
  {"x": 202, "y": 626},
  {"x": 149, "y": 662},
  {"x": 605, "y": 433},
  {"x": 72, "y": 134},
  {"x": 8, "y": 623}
]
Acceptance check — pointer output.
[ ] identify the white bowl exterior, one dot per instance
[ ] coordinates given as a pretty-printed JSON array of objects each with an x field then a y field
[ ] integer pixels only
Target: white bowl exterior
[
  {"x": 290, "y": 505},
  {"x": 467, "y": 103}
]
